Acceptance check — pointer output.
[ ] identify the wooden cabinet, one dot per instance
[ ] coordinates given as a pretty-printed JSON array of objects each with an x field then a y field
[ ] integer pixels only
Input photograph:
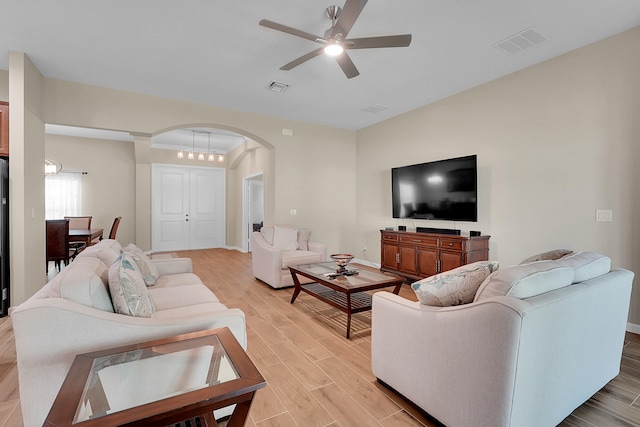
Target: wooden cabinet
[
  {"x": 419, "y": 255},
  {"x": 4, "y": 128}
]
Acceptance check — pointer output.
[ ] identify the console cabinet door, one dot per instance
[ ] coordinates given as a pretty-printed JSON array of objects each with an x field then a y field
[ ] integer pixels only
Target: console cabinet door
[
  {"x": 390, "y": 256},
  {"x": 450, "y": 260},
  {"x": 428, "y": 262},
  {"x": 408, "y": 260}
]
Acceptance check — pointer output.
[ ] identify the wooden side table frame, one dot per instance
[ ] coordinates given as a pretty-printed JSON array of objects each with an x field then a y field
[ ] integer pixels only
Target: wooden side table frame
[{"x": 199, "y": 402}]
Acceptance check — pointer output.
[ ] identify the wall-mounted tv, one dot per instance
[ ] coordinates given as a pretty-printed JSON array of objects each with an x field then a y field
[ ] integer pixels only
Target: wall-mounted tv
[{"x": 441, "y": 190}]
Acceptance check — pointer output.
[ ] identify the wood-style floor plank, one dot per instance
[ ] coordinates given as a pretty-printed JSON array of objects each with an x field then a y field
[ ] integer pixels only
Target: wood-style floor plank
[{"x": 315, "y": 376}]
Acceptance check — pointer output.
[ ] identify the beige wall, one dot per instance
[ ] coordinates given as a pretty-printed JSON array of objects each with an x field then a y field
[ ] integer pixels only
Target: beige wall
[
  {"x": 108, "y": 188},
  {"x": 554, "y": 142},
  {"x": 26, "y": 178}
]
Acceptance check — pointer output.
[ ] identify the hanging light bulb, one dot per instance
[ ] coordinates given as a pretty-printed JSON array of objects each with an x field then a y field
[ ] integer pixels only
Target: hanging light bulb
[
  {"x": 220, "y": 158},
  {"x": 211, "y": 159},
  {"x": 180, "y": 154},
  {"x": 190, "y": 156}
]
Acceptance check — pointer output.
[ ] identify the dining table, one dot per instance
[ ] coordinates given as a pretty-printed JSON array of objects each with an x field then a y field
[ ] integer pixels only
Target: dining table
[{"x": 85, "y": 234}]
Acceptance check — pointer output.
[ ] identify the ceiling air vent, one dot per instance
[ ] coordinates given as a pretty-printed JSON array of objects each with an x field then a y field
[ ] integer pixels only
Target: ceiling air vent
[
  {"x": 375, "y": 108},
  {"x": 278, "y": 86},
  {"x": 518, "y": 42}
]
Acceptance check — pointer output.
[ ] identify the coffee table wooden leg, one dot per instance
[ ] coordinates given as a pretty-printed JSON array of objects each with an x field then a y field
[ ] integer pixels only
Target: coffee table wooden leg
[
  {"x": 208, "y": 420},
  {"x": 239, "y": 415},
  {"x": 297, "y": 288},
  {"x": 396, "y": 290},
  {"x": 348, "y": 315}
]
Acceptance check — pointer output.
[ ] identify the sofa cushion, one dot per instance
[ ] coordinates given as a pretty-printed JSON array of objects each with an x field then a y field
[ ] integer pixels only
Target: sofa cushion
[
  {"x": 285, "y": 238},
  {"x": 453, "y": 287},
  {"x": 180, "y": 279},
  {"x": 128, "y": 292},
  {"x": 290, "y": 258},
  {"x": 107, "y": 250},
  {"x": 587, "y": 265},
  {"x": 183, "y": 296},
  {"x": 549, "y": 255},
  {"x": 526, "y": 280},
  {"x": 147, "y": 268},
  {"x": 84, "y": 281}
]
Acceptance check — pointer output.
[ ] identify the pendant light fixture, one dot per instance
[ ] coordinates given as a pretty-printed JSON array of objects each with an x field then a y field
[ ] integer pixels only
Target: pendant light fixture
[
  {"x": 211, "y": 157},
  {"x": 191, "y": 156}
]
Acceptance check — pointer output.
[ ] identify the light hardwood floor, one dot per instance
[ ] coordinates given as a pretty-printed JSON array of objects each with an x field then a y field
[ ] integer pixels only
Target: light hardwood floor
[{"x": 315, "y": 377}]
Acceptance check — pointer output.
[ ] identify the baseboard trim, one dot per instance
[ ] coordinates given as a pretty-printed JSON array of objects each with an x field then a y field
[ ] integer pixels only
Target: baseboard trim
[{"x": 633, "y": 328}]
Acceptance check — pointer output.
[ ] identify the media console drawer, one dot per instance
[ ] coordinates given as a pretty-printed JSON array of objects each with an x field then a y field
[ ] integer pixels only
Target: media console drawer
[{"x": 419, "y": 255}]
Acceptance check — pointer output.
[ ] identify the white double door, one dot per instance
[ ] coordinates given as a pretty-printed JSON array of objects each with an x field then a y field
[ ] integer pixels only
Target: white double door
[{"x": 188, "y": 209}]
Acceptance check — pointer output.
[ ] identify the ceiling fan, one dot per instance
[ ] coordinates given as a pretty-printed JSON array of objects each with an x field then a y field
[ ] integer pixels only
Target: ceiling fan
[{"x": 335, "y": 42}]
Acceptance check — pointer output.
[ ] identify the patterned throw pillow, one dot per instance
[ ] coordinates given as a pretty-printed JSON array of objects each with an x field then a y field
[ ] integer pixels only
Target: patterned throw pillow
[
  {"x": 147, "y": 268},
  {"x": 454, "y": 287},
  {"x": 546, "y": 256},
  {"x": 128, "y": 291}
]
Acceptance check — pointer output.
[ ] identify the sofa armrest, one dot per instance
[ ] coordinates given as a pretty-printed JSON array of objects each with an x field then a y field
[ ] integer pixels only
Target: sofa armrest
[
  {"x": 267, "y": 261},
  {"x": 319, "y": 248},
  {"x": 50, "y": 332},
  {"x": 173, "y": 266},
  {"x": 432, "y": 353}
]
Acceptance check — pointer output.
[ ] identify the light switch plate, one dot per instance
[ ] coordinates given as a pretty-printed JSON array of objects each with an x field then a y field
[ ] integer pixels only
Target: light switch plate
[{"x": 604, "y": 215}]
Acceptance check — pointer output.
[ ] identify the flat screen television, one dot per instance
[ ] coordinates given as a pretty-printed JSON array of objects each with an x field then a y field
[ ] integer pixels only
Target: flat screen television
[{"x": 440, "y": 190}]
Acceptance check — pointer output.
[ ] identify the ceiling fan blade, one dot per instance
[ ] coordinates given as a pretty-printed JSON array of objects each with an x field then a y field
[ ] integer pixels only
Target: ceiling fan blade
[
  {"x": 348, "y": 17},
  {"x": 347, "y": 65},
  {"x": 402, "y": 40},
  {"x": 292, "y": 31},
  {"x": 302, "y": 59}
]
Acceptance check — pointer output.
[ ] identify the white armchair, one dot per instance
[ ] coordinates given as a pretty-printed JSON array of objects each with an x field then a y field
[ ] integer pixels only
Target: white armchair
[{"x": 276, "y": 248}]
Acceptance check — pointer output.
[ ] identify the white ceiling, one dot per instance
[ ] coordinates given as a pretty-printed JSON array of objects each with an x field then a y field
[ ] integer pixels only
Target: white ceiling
[{"x": 214, "y": 52}]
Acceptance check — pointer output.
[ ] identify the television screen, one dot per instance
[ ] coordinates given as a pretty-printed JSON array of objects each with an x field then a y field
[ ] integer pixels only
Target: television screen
[{"x": 441, "y": 190}]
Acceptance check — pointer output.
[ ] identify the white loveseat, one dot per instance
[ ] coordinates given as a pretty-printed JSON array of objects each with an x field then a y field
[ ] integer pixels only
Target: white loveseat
[
  {"x": 537, "y": 341},
  {"x": 276, "y": 248},
  {"x": 73, "y": 314}
]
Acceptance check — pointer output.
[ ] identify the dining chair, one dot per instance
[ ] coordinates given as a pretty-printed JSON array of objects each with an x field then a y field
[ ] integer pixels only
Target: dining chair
[
  {"x": 79, "y": 223},
  {"x": 114, "y": 227},
  {"x": 112, "y": 233},
  {"x": 57, "y": 232}
]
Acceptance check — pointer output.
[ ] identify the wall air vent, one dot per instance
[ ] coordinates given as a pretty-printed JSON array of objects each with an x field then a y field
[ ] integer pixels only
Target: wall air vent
[
  {"x": 518, "y": 42},
  {"x": 278, "y": 86}
]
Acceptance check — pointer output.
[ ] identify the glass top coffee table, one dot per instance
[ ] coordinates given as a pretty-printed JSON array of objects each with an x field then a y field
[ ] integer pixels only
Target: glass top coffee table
[
  {"x": 344, "y": 292},
  {"x": 158, "y": 383}
]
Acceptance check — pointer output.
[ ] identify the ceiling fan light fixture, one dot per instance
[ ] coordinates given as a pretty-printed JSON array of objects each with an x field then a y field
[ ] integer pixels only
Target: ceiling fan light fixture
[{"x": 333, "y": 49}]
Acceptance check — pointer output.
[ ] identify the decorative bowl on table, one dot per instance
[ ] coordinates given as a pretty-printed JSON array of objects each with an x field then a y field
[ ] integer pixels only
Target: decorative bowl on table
[{"x": 342, "y": 260}]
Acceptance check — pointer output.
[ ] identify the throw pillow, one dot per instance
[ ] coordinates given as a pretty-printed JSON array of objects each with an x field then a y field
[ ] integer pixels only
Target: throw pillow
[
  {"x": 147, "y": 268},
  {"x": 128, "y": 291},
  {"x": 303, "y": 239},
  {"x": 285, "y": 238},
  {"x": 549, "y": 255},
  {"x": 453, "y": 287},
  {"x": 526, "y": 280}
]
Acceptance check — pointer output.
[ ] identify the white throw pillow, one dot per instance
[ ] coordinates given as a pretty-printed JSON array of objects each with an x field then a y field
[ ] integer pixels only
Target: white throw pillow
[
  {"x": 128, "y": 291},
  {"x": 285, "y": 238},
  {"x": 526, "y": 280},
  {"x": 303, "y": 239},
  {"x": 147, "y": 268},
  {"x": 454, "y": 287}
]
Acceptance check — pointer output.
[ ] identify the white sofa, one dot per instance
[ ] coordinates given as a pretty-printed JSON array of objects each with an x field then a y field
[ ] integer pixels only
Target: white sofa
[
  {"x": 73, "y": 314},
  {"x": 534, "y": 344},
  {"x": 275, "y": 248}
]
